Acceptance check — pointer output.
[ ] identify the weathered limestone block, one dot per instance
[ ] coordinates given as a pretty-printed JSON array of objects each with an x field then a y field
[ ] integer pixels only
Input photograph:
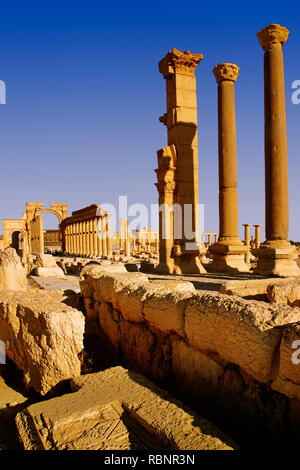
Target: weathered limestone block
[
  {"x": 12, "y": 272},
  {"x": 109, "y": 322},
  {"x": 196, "y": 371},
  {"x": 91, "y": 307},
  {"x": 91, "y": 273},
  {"x": 116, "y": 410},
  {"x": 46, "y": 261},
  {"x": 49, "y": 272},
  {"x": 165, "y": 310},
  {"x": 257, "y": 288},
  {"x": 288, "y": 379},
  {"x": 43, "y": 337},
  {"x": 246, "y": 333},
  {"x": 285, "y": 291}
]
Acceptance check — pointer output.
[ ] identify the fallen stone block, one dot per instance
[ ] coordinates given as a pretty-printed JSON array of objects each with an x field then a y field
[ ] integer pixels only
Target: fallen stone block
[
  {"x": 12, "y": 272},
  {"x": 251, "y": 288},
  {"x": 285, "y": 292},
  {"x": 116, "y": 410},
  {"x": 48, "y": 272},
  {"x": 45, "y": 261},
  {"x": 243, "y": 332},
  {"x": 43, "y": 337}
]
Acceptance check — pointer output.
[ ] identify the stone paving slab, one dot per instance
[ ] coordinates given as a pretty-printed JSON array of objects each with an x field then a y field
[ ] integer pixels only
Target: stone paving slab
[
  {"x": 57, "y": 284},
  {"x": 116, "y": 409}
]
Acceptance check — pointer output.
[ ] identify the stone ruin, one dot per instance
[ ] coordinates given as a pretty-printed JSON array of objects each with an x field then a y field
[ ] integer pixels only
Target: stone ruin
[{"x": 198, "y": 349}]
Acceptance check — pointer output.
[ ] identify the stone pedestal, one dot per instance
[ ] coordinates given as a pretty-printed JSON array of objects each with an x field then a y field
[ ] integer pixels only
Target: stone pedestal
[
  {"x": 229, "y": 252},
  {"x": 275, "y": 255},
  {"x": 276, "y": 258}
]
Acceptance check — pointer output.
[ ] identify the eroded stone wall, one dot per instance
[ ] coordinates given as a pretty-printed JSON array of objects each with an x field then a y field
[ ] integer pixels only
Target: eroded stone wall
[{"x": 229, "y": 358}]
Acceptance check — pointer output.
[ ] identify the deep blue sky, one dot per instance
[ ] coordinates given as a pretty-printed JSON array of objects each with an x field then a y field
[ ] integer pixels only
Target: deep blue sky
[{"x": 84, "y": 95}]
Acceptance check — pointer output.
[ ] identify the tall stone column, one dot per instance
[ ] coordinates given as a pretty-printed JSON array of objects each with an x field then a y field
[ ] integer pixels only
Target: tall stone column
[
  {"x": 166, "y": 187},
  {"x": 247, "y": 242},
  {"x": 104, "y": 236},
  {"x": 127, "y": 240},
  {"x": 77, "y": 239},
  {"x": 87, "y": 238},
  {"x": 80, "y": 239},
  {"x": 178, "y": 69},
  {"x": 108, "y": 226},
  {"x": 67, "y": 238},
  {"x": 275, "y": 256},
  {"x": 257, "y": 236},
  {"x": 95, "y": 245},
  {"x": 229, "y": 252},
  {"x": 99, "y": 237}
]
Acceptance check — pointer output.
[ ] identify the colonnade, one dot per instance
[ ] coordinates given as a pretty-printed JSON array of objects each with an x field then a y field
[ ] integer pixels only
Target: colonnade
[{"x": 89, "y": 238}]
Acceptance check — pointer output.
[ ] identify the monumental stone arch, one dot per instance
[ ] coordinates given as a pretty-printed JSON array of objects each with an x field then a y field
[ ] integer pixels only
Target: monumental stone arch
[{"x": 30, "y": 228}]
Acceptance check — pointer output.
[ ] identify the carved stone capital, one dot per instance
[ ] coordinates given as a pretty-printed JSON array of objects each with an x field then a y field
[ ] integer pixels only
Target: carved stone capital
[
  {"x": 226, "y": 72},
  {"x": 273, "y": 35},
  {"x": 179, "y": 62}
]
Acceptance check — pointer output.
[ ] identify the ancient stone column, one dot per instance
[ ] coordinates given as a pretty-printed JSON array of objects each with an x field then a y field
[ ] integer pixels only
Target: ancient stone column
[
  {"x": 80, "y": 239},
  {"x": 178, "y": 69},
  {"x": 94, "y": 230},
  {"x": 104, "y": 235},
  {"x": 275, "y": 255},
  {"x": 229, "y": 251},
  {"x": 77, "y": 238},
  {"x": 257, "y": 236},
  {"x": 127, "y": 240},
  {"x": 247, "y": 242},
  {"x": 99, "y": 237},
  {"x": 67, "y": 238},
  {"x": 109, "y": 248},
  {"x": 166, "y": 187},
  {"x": 87, "y": 238}
]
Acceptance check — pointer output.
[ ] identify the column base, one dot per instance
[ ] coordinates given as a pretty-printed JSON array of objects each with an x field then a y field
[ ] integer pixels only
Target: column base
[
  {"x": 276, "y": 258},
  {"x": 165, "y": 268},
  {"x": 188, "y": 264},
  {"x": 228, "y": 258}
]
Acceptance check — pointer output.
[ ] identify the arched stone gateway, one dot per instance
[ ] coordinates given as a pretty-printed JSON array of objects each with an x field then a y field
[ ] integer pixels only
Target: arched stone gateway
[{"x": 31, "y": 228}]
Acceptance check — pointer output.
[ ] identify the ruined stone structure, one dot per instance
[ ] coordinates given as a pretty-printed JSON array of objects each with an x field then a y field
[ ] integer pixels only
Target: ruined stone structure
[
  {"x": 87, "y": 232},
  {"x": 209, "y": 235},
  {"x": 228, "y": 252},
  {"x": 52, "y": 238},
  {"x": 30, "y": 227},
  {"x": 224, "y": 353},
  {"x": 275, "y": 255},
  {"x": 177, "y": 172}
]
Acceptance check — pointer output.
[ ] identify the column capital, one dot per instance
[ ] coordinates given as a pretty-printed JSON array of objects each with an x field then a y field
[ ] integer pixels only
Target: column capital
[
  {"x": 272, "y": 36},
  {"x": 226, "y": 71},
  {"x": 179, "y": 62}
]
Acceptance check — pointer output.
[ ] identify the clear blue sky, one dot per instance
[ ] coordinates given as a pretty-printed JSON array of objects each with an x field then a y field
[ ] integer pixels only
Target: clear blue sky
[{"x": 84, "y": 95}]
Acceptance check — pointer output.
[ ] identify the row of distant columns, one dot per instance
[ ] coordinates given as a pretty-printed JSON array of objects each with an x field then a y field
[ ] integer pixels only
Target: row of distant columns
[
  {"x": 90, "y": 238},
  {"x": 138, "y": 243}
]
